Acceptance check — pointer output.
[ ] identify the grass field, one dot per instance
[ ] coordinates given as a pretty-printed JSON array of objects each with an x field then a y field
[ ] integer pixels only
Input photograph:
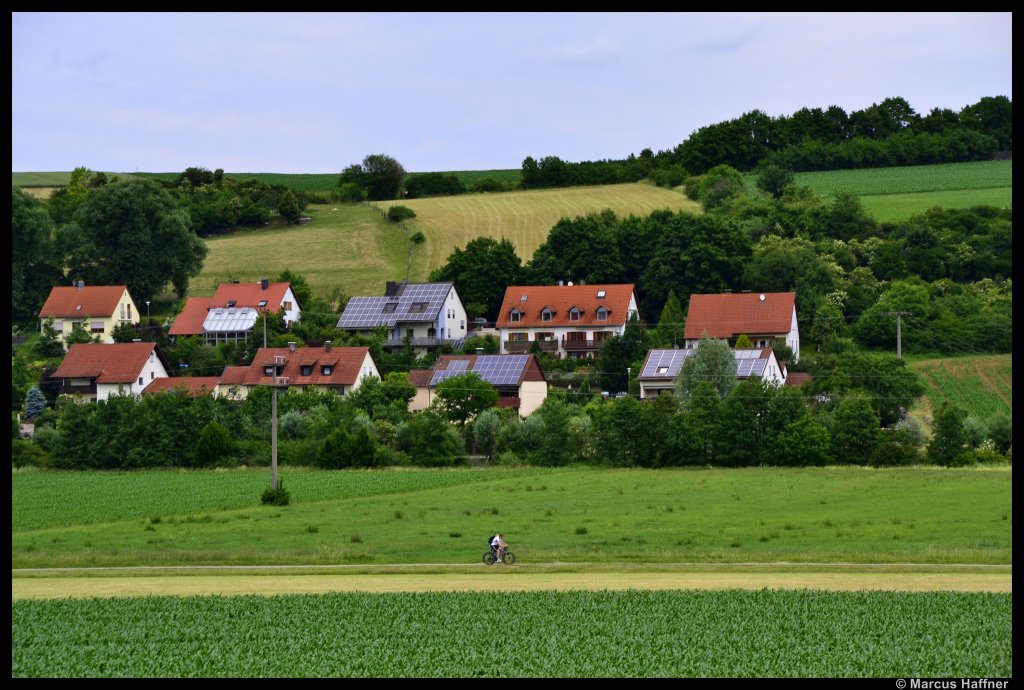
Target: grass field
[
  {"x": 621, "y": 573},
  {"x": 347, "y": 246},
  {"x": 835, "y": 515},
  {"x": 982, "y": 384}
]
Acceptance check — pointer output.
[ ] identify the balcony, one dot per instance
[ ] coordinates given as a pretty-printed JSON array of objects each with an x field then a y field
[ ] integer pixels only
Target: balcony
[
  {"x": 580, "y": 345},
  {"x": 522, "y": 346},
  {"x": 509, "y": 402}
]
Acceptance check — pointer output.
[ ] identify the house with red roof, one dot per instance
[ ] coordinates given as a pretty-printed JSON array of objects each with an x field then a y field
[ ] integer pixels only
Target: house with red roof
[
  {"x": 95, "y": 371},
  {"x": 568, "y": 320},
  {"x": 338, "y": 369},
  {"x": 230, "y": 314},
  {"x": 763, "y": 317},
  {"x": 517, "y": 378},
  {"x": 96, "y": 308}
]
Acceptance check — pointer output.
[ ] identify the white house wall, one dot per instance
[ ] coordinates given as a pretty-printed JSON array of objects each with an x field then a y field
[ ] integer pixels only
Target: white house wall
[
  {"x": 531, "y": 396},
  {"x": 793, "y": 338}
]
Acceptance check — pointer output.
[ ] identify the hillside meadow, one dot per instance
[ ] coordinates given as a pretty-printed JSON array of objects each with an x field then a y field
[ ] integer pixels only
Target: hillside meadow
[{"x": 523, "y": 217}]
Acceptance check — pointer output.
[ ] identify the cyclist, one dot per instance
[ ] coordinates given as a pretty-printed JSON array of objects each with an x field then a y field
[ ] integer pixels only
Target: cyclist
[{"x": 498, "y": 546}]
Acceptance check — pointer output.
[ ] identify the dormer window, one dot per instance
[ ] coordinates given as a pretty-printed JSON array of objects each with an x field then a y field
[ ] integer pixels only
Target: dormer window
[
  {"x": 306, "y": 369},
  {"x": 326, "y": 369},
  {"x": 574, "y": 314},
  {"x": 546, "y": 314},
  {"x": 268, "y": 371},
  {"x": 602, "y": 314},
  {"x": 515, "y": 316},
  {"x": 389, "y": 308}
]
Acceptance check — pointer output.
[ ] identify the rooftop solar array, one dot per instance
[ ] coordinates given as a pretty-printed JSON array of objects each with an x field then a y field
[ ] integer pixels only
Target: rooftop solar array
[
  {"x": 230, "y": 320},
  {"x": 454, "y": 368},
  {"x": 418, "y": 302},
  {"x": 667, "y": 363},
  {"x": 500, "y": 370},
  {"x": 497, "y": 370},
  {"x": 746, "y": 368}
]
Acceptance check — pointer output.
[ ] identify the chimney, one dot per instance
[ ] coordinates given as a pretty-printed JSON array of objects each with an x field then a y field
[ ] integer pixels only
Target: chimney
[
  {"x": 264, "y": 283},
  {"x": 327, "y": 346},
  {"x": 291, "y": 346}
]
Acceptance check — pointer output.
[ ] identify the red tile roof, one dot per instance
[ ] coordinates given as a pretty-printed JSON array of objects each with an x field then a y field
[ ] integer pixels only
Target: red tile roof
[
  {"x": 561, "y": 299},
  {"x": 91, "y": 300},
  {"x": 728, "y": 315},
  {"x": 795, "y": 379},
  {"x": 234, "y": 376},
  {"x": 250, "y": 294},
  {"x": 347, "y": 363},
  {"x": 105, "y": 362},
  {"x": 193, "y": 385},
  {"x": 190, "y": 320}
]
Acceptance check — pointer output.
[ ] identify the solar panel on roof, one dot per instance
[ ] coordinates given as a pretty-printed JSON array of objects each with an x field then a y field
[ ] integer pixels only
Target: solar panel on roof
[
  {"x": 453, "y": 367},
  {"x": 665, "y": 363},
  {"x": 500, "y": 370},
  {"x": 368, "y": 312}
]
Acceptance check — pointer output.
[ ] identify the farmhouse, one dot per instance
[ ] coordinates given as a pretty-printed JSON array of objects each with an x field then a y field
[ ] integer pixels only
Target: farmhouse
[
  {"x": 517, "y": 378},
  {"x": 96, "y": 308},
  {"x": 338, "y": 369},
  {"x": 231, "y": 313},
  {"x": 568, "y": 320},
  {"x": 428, "y": 315},
  {"x": 763, "y": 317},
  {"x": 661, "y": 368},
  {"x": 95, "y": 371}
]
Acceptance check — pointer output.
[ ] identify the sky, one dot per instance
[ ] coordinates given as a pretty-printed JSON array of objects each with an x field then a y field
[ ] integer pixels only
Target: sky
[{"x": 315, "y": 93}]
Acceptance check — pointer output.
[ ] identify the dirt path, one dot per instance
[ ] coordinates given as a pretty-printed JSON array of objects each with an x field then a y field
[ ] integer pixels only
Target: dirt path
[{"x": 53, "y": 584}]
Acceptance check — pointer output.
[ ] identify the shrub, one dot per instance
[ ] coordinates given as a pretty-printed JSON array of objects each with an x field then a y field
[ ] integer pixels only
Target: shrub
[
  {"x": 276, "y": 497},
  {"x": 400, "y": 213}
]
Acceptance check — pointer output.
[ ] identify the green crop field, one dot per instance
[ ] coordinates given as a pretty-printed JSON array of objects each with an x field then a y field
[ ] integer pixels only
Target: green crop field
[
  {"x": 524, "y": 218},
  {"x": 895, "y": 194},
  {"x": 633, "y": 634},
  {"x": 982, "y": 385},
  {"x": 550, "y": 516}
]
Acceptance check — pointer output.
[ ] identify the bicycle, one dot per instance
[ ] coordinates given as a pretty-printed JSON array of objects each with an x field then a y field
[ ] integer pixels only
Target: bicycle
[{"x": 507, "y": 557}]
